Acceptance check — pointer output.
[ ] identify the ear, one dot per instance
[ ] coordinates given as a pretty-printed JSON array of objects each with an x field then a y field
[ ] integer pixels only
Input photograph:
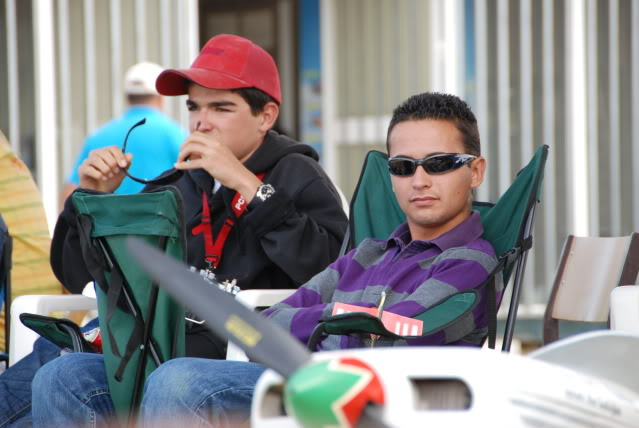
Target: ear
[
  {"x": 478, "y": 169},
  {"x": 269, "y": 116}
]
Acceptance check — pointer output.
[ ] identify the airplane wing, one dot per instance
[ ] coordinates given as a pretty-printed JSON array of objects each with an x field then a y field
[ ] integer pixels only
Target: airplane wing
[{"x": 608, "y": 354}]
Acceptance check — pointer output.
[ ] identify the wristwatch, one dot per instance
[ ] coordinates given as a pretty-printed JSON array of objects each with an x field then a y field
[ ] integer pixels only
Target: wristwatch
[{"x": 264, "y": 191}]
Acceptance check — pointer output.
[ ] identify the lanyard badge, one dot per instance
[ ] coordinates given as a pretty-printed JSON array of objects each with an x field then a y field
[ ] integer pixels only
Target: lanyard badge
[{"x": 213, "y": 248}]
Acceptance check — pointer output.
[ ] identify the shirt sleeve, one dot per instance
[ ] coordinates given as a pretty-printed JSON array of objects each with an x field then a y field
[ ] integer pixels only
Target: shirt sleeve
[{"x": 300, "y": 312}]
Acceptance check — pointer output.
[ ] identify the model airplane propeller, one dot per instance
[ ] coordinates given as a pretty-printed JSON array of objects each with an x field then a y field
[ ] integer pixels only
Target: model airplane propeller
[{"x": 320, "y": 394}]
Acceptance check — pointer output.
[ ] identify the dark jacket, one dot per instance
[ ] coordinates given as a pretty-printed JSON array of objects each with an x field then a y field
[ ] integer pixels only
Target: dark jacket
[{"x": 281, "y": 243}]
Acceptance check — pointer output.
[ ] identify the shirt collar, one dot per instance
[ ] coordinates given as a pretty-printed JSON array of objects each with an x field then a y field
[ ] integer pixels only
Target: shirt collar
[{"x": 462, "y": 234}]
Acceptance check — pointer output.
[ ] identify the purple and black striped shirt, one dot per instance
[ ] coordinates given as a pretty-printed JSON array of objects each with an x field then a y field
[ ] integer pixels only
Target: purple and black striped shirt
[{"x": 415, "y": 275}]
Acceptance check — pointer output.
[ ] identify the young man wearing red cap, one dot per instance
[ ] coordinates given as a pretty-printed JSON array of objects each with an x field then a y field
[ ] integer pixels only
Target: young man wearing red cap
[
  {"x": 235, "y": 167},
  {"x": 288, "y": 218}
]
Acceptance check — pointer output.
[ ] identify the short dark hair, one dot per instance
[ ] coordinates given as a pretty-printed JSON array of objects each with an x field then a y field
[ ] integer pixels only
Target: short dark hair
[
  {"x": 255, "y": 98},
  {"x": 438, "y": 106}
]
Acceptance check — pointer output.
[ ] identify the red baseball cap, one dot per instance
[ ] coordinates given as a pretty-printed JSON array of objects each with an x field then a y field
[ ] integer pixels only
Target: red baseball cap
[{"x": 225, "y": 62}]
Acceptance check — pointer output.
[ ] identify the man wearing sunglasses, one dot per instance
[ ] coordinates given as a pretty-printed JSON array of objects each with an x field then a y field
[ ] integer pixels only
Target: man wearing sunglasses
[{"x": 435, "y": 163}]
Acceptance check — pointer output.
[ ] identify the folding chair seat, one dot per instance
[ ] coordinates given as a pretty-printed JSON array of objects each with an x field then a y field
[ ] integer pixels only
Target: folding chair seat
[
  {"x": 507, "y": 226},
  {"x": 589, "y": 270}
]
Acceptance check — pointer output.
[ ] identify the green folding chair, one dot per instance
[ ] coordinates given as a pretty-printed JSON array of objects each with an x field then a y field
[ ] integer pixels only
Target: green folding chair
[
  {"x": 507, "y": 226},
  {"x": 141, "y": 325}
]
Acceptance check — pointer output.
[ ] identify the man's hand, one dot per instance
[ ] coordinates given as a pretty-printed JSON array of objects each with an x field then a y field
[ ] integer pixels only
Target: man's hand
[
  {"x": 207, "y": 152},
  {"x": 103, "y": 169}
]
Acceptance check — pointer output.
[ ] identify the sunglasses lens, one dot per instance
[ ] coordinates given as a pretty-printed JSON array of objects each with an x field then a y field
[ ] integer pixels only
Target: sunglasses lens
[
  {"x": 401, "y": 167},
  {"x": 440, "y": 164}
]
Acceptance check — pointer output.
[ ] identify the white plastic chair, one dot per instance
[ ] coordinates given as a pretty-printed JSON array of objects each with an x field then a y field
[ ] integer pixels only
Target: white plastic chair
[
  {"x": 590, "y": 268},
  {"x": 22, "y": 338},
  {"x": 253, "y": 299},
  {"x": 624, "y": 309}
]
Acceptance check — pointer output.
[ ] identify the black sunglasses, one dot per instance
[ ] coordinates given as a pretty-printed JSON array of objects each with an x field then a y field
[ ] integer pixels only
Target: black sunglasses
[
  {"x": 435, "y": 164},
  {"x": 165, "y": 179}
]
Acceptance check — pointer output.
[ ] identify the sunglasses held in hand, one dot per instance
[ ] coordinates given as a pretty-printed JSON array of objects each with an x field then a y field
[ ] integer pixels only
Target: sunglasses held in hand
[
  {"x": 435, "y": 164},
  {"x": 162, "y": 180}
]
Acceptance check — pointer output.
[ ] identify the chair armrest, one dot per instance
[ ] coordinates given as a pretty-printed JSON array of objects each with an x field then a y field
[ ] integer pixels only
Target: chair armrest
[
  {"x": 255, "y": 299},
  {"x": 624, "y": 308},
  {"x": 22, "y": 338},
  {"x": 262, "y": 298}
]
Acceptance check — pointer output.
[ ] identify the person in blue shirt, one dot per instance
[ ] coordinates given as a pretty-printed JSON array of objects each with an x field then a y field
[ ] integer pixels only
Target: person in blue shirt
[{"x": 154, "y": 146}]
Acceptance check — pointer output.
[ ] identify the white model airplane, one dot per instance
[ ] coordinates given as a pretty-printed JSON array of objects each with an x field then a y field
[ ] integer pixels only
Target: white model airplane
[{"x": 590, "y": 380}]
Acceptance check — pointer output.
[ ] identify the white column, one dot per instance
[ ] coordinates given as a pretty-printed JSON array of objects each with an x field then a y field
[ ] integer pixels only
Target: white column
[
  {"x": 116, "y": 57},
  {"x": 526, "y": 106},
  {"x": 614, "y": 118},
  {"x": 438, "y": 39},
  {"x": 481, "y": 58},
  {"x": 577, "y": 172},
  {"x": 46, "y": 130},
  {"x": 548, "y": 137},
  {"x": 526, "y": 61},
  {"x": 503, "y": 96},
  {"x": 89, "y": 65},
  {"x": 66, "y": 139},
  {"x": 329, "y": 88},
  {"x": 13, "y": 80},
  {"x": 453, "y": 18},
  {"x": 593, "y": 118},
  {"x": 165, "y": 33},
  {"x": 188, "y": 42},
  {"x": 167, "y": 52},
  {"x": 140, "y": 30}
]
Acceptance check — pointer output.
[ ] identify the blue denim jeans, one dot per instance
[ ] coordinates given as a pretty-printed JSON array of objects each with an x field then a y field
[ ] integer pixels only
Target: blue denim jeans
[
  {"x": 199, "y": 392},
  {"x": 73, "y": 390},
  {"x": 15, "y": 382}
]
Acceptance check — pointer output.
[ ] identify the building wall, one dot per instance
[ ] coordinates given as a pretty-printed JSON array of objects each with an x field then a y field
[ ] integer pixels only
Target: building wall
[
  {"x": 62, "y": 75},
  {"x": 562, "y": 73}
]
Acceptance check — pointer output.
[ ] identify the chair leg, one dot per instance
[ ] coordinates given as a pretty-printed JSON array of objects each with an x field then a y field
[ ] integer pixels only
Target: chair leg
[{"x": 146, "y": 344}]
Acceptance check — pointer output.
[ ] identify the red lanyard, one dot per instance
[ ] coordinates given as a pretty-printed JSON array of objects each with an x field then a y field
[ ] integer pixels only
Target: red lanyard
[{"x": 213, "y": 249}]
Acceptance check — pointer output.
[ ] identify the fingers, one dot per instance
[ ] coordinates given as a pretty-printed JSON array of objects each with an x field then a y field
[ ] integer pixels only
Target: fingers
[
  {"x": 194, "y": 148},
  {"x": 190, "y": 164},
  {"x": 108, "y": 162}
]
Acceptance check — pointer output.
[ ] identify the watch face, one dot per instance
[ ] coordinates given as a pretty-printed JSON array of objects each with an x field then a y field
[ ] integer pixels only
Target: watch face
[{"x": 264, "y": 191}]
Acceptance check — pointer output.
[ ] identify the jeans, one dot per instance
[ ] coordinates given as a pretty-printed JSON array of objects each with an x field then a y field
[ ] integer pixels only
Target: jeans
[
  {"x": 197, "y": 392},
  {"x": 15, "y": 382},
  {"x": 72, "y": 391}
]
